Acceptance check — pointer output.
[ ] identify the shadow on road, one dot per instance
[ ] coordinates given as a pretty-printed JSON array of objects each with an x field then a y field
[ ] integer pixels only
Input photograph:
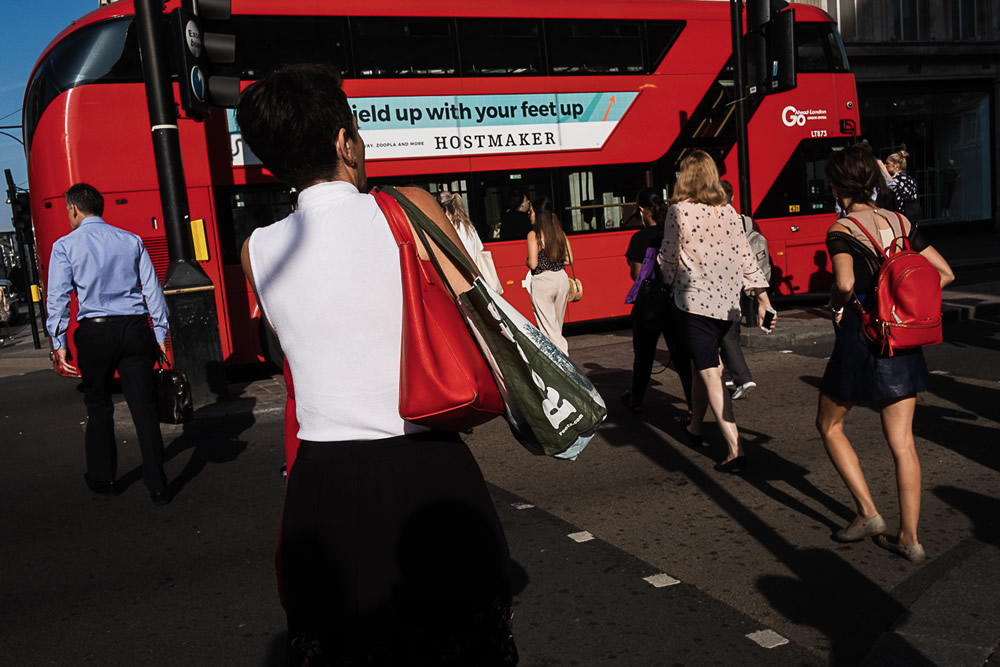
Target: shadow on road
[{"x": 827, "y": 592}]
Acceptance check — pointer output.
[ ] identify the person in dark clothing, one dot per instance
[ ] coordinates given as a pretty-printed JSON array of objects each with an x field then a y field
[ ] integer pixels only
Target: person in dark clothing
[
  {"x": 515, "y": 221},
  {"x": 653, "y": 311},
  {"x": 858, "y": 372},
  {"x": 741, "y": 379}
]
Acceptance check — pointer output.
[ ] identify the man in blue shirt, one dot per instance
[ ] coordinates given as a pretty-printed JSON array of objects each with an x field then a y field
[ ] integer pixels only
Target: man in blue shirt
[{"x": 117, "y": 295}]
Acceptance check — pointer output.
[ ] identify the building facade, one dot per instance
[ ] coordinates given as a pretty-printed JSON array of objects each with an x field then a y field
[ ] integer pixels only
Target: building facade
[{"x": 928, "y": 75}]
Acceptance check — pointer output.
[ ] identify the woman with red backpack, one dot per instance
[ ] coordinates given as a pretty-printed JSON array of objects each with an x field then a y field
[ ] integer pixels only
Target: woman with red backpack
[{"x": 860, "y": 370}]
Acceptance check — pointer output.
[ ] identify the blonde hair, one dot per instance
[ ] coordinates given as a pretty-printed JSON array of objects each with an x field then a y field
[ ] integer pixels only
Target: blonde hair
[
  {"x": 454, "y": 208},
  {"x": 899, "y": 159},
  {"x": 699, "y": 181}
]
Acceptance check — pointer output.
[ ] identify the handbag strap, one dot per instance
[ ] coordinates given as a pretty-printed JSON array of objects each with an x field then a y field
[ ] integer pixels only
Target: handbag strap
[
  {"x": 392, "y": 202},
  {"x": 162, "y": 360}
]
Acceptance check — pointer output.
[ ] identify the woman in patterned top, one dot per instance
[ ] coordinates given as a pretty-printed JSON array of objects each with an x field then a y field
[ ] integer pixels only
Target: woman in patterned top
[
  {"x": 902, "y": 185},
  {"x": 706, "y": 259},
  {"x": 548, "y": 251}
]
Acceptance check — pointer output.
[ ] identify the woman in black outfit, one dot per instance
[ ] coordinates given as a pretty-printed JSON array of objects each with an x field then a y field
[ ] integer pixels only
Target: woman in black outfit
[
  {"x": 856, "y": 370},
  {"x": 653, "y": 313}
]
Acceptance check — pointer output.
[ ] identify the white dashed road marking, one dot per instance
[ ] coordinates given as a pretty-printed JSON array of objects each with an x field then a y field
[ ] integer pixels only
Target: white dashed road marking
[
  {"x": 522, "y": 506},
  {"x": 767, "y": 638},
  {"x": 661, "y": 580},
  {"x": 581, "y": 537},
  {"x": 939, "y": 372}
]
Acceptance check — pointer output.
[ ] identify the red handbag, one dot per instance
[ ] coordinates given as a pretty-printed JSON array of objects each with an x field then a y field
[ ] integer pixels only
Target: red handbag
[{"x": 444, "y": 381}]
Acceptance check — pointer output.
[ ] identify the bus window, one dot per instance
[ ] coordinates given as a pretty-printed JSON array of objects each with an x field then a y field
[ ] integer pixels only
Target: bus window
[
  {"x": 819, "y": 48},
  {"x": 267, "y": 42},
  {"x": 800, "y": 188},
  {"x": 244, "y": 208},
  {"x": 403, "y": 47},
  {"x": 105, "y": 52},
  {"x": 601, "y": 198},
  {"x": 500, "y": 47},
  {"x": 594, "y": 47}
]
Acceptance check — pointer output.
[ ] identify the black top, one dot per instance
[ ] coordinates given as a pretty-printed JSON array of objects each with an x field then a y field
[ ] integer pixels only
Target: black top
[
  {"x": 645, "y": 238},
  {"x": 866, "y": 260}
]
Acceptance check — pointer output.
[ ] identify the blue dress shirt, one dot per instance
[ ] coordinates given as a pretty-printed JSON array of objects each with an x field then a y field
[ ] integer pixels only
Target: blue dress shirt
[{"x": 111, "y": 273}]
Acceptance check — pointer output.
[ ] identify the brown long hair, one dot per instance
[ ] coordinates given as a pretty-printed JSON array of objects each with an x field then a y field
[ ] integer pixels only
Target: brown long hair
[
  {"x": 552, "y": 238},
  {"x": 699, "y": 181}
]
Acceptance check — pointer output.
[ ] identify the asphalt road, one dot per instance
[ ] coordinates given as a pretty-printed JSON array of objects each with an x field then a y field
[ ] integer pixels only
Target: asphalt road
[{"x": 119, "y": 581}]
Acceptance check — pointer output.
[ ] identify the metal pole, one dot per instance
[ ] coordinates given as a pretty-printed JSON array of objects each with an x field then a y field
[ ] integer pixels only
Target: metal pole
[
  {"x": 190, "y": 294},
  {"x": 739, "y": 86}
]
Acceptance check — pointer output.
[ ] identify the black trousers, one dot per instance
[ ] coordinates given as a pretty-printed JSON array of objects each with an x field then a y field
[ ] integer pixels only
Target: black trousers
[
  {"x": 125, "y": 344},
  {"x": 732, "y": 356},
  {"x": 646, "y": 331},
  {"x": 392, "y": 554}
]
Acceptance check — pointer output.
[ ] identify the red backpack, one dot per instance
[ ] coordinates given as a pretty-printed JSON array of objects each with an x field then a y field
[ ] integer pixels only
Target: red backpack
[{"x": 907, "y": 309}]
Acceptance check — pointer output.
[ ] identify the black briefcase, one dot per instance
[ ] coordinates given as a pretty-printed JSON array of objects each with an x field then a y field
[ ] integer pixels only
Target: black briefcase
[{"x": 173, "y": 394}]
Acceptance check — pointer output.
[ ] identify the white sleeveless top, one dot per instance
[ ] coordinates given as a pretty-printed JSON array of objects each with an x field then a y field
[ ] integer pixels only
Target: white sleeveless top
[{"x": 329, "y": 282}]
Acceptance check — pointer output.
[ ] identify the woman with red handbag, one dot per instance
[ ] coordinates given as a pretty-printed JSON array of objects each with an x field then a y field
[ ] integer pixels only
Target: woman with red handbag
[{"x": 391, "y": 550}]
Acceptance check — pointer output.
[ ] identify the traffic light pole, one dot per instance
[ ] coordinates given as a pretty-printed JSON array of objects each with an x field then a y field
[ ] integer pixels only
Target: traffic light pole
[
  {"x": 190, "y": 294},
  {"x": 740, "y": 90},
  {"x": 26, "y": 250}
]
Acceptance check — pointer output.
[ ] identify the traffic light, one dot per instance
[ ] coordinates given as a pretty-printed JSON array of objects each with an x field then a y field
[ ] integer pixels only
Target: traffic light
[
  {"x": 20, "y": 206},
  {"x": 198, "y": 51},
  {"x": 770, "y": 49}
]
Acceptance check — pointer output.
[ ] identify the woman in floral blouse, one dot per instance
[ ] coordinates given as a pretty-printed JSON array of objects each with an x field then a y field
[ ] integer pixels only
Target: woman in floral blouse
[{"x": 706, "y": 260}]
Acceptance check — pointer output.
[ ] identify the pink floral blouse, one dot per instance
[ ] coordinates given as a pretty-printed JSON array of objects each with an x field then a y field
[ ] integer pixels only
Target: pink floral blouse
[{"x": 706, "y": 257}]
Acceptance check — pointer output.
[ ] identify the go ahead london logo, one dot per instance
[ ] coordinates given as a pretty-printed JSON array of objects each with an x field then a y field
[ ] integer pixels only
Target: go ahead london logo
[{"x": 791, "y": 116}]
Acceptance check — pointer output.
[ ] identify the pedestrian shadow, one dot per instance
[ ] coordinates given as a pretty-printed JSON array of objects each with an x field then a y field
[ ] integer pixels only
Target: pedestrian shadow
[
  {"x": 825, "y": 591},
  {"x": 213, "y": 440},
  {"x": 983, "y": 511}
]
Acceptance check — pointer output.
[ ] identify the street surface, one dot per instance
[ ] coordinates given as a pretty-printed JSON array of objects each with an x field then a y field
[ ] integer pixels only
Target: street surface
[{"x": 119, "y": 581}]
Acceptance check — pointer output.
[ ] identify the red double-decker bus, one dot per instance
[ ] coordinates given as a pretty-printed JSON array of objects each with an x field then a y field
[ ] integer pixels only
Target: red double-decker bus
[{"x": 584, "y": 100}]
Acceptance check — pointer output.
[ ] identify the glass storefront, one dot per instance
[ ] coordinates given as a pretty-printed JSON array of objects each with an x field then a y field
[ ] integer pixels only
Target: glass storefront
[{"x": 948, "y": 136}]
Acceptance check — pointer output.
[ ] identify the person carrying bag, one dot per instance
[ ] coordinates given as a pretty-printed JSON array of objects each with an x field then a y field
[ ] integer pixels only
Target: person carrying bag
[{"x": 550, "y": 405}]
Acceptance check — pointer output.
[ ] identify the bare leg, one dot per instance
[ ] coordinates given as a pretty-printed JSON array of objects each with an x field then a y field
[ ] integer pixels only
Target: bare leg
[
  {"x": 722, "y": 408},
  {"x": 830, "y": 422},
  {"x": 897, "y": 426}
]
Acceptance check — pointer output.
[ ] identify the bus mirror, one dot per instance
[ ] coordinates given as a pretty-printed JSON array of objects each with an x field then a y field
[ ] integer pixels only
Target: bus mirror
[{"x": 213, "y": 10}]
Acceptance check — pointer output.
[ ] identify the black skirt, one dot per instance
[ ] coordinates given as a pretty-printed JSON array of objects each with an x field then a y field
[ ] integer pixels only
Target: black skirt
[
  {"x": 392, "y": 553},
  {"x": 857, "y": 372}
]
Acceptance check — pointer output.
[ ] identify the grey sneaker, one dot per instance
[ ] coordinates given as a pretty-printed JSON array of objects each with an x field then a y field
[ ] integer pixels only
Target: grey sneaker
[{"x": 743, "y": 390}]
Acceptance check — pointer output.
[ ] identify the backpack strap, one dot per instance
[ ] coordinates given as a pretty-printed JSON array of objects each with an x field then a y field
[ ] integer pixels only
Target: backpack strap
[
  {"x": 875, "y": 244},
  {"x": 902, "y": 233}
]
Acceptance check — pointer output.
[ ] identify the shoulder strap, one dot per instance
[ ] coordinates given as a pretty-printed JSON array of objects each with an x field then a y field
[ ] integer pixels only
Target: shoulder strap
[
  {"x": 902, "y": 233},
  {"x": 391, "y": 198},
  {"x": 877, "y": 246}
]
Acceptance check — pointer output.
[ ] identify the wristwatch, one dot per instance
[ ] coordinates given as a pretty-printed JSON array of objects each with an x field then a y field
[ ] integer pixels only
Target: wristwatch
[{"x": 836, "y": 311}]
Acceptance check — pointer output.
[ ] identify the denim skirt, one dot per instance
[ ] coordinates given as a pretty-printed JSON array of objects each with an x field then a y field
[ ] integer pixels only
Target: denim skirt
[{"x": 857, "y": 372}]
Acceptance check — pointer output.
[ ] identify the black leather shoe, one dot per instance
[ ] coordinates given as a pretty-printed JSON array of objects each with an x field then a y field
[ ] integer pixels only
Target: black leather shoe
[
  {"x": 629, "y": 401},
  {"x": 102, "y": 488},
  {"x": 161, "y": 497},
  {"x": 733, "y": 466}
]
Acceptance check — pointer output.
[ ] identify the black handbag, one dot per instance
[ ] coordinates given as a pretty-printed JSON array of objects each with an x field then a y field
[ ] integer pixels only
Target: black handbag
[
  {"x": 173, "y": 394},
  {"x": 652, "y": 304}
]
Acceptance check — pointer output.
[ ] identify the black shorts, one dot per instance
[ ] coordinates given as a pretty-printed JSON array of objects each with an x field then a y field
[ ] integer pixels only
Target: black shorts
[{"x": 704, "y": 337}]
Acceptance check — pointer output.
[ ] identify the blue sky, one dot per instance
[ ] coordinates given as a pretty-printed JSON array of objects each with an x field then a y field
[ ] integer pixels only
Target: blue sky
[{"x": 28, "y": 27}]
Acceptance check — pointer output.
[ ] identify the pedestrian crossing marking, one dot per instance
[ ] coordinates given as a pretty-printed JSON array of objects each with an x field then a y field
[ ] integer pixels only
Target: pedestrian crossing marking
[
  {"x": 939, "y": 372},
  {"x": 522, "y": 506},
  {"x": 583, "y": 536},
  {"x": 661, "y": 580},
  {"x": 767, "y": 638}
]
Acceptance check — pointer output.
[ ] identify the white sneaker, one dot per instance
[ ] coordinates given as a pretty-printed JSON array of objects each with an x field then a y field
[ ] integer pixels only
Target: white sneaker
[{"x": 743, "y": 390}]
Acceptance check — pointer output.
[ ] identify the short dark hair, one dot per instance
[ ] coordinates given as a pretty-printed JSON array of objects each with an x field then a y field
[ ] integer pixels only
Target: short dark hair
[
  {"x": 854, "y": 172},
  {"x": 515, "y": 197},
  {"x": 85, "y": 197},
  {"x": 291, "y": 118}
]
